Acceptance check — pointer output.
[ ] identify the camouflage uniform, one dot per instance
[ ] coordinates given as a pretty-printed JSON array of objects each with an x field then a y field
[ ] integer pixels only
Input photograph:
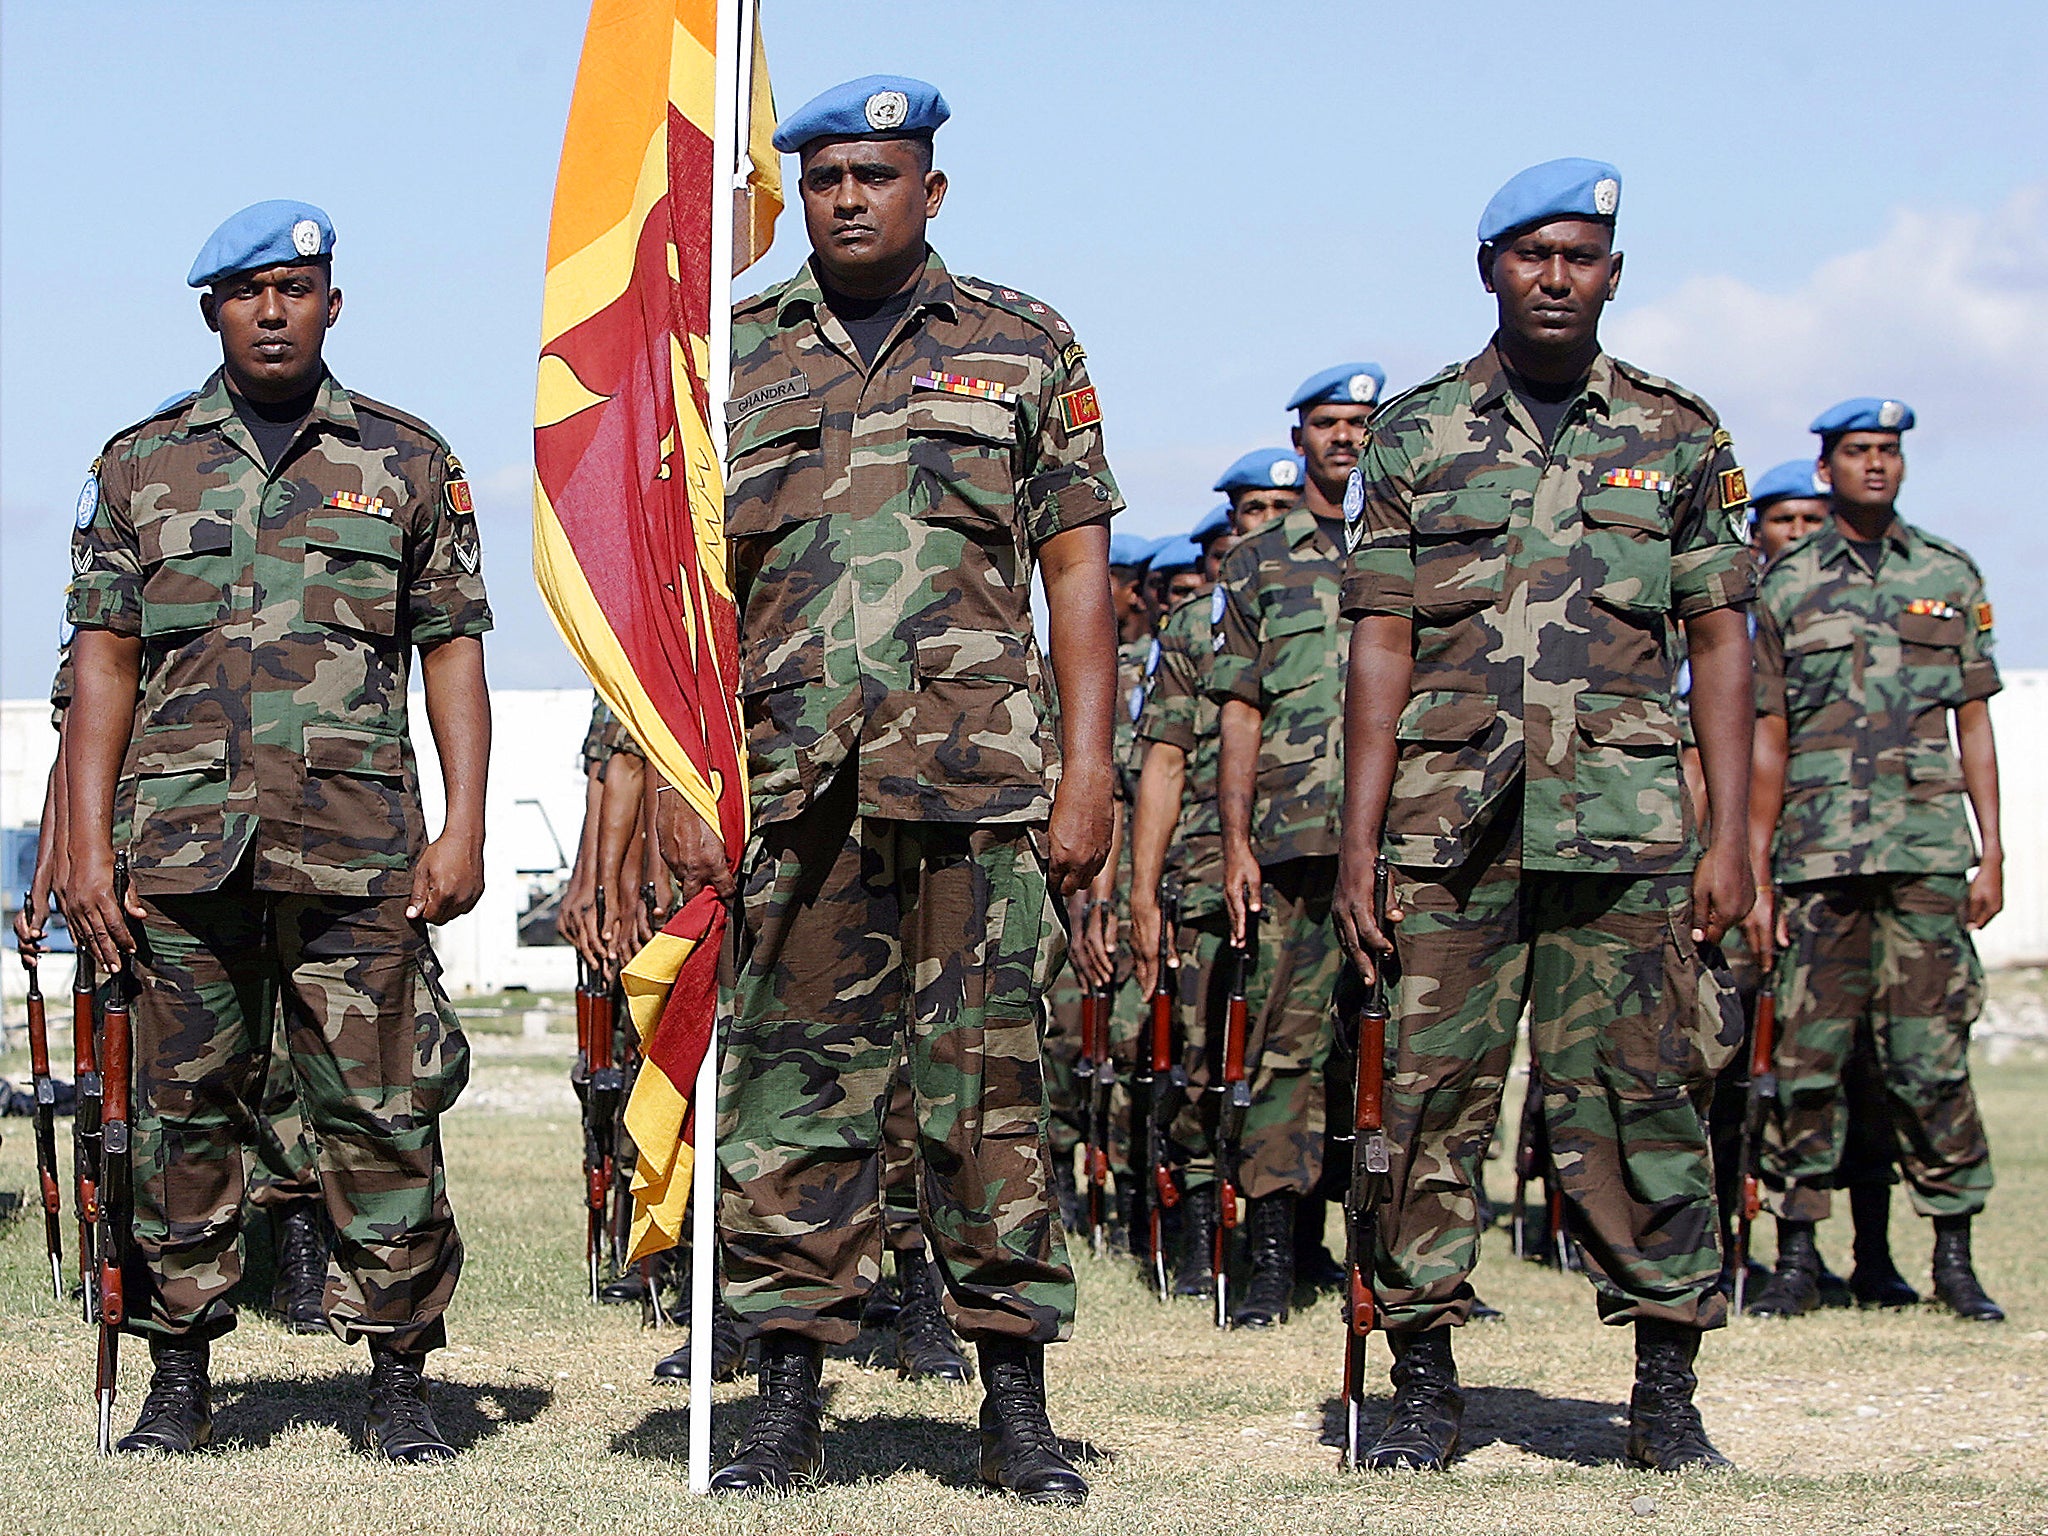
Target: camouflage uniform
[
  {"x": 901, "y": 759},
  {"x": 1538, "y": 822},
  {"x": 269, "y": 807},
  {"x": 1873, "y": 851},
  {"x": 1180, "y": 712},
  {"x": 1281, "y": 650}
]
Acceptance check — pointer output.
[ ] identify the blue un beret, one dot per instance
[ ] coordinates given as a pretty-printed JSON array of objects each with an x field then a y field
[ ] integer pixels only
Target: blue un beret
[
  {"x": 1127, "y": 549},
  {"x": 1556, "y": 189},
  {"x": 872, "y": 107},
  {"x": 1176, "y": 552},
  {"x": 1345, "y": 384},
  {"x": 1215, "y": 524},
  {"x": 278, "y": 233},
  {"x": 1264, "y": 469},
  {"x": 1782, "y": 482},
  {"x": 1866, "y": 413}
]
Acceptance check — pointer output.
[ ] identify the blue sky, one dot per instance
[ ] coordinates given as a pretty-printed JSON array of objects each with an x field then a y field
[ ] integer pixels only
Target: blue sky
[{"x": 1820, "y": 200}]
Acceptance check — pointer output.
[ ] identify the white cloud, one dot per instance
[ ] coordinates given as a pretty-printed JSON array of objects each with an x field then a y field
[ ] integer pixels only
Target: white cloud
[{"x": 1947, "y": 310}]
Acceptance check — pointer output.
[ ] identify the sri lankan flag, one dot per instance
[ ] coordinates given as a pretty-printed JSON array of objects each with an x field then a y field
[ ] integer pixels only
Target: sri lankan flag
[{"x": 629, "y": 544}]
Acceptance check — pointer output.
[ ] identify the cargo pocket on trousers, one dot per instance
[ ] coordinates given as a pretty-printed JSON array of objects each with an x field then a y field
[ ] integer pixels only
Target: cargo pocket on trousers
[
  {"x": 1702, "y": 1038},
  {"x": 440, "y": 1059}
]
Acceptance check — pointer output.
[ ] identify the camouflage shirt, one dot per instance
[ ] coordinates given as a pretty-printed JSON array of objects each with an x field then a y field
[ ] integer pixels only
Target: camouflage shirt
[
  {"x": 1181, "y": 712},
  {"x": 884, "y": 522},
  {"x": 278, "y": 611},
  {"x": 606, "y": 739},
  {"x": 1280, "y": 649},
  {"x": 1543, "y": 584},
  {"x": 1864, "y": 671},
  {"x": 1135, "y": 665}
]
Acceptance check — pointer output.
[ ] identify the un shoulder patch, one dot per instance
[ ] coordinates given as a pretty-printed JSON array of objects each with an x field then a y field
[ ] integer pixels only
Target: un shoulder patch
[
  {"x": 88, "y": 498},
  {"x": 1079, "y": 408},
  {"x": 1217, "y": 603},
  {"x": 1734, "y": 488}
]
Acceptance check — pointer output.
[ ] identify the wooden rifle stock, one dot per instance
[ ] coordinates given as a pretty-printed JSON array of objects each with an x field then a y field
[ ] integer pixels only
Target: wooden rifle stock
[
  {"x": 116, "y": 1202},
  {"x": 46, "y": 1129},
  {"x": 1763, "y": 1090},
  {"x": 1371, "y": 1167},
  {"x": 1100, "y": 1075},
  {"x": 85, "y": 1128},
  {"x": 1167, "y": 1080},
  {"x": 1234, "y": 1089}
]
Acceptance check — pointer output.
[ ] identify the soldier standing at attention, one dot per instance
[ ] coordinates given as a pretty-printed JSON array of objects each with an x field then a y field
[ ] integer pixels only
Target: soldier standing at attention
[
  {"x": 907, "y": 446},
  {"x": 1528, "y": 530},
  {"x": 1870, "y": 635},
  {"x": 256, "y": 564},
  {"x": 1278, "y": 677}
]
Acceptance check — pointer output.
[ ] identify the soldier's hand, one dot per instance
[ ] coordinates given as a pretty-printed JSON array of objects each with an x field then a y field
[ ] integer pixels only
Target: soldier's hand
[
  {"x": 693, "y": 850},
  {"x": 97, "y": 918},
  {"x": 1358, "y": 926},
  {"x": 1987, "y": 891},
  {"x": 1146, "y": 921},
  {"x": 1723, "y": 892},
  {"x": 1763, "y": 927},
  {"x": 634, "y": 932},
  {"x": 448, "y": 880},
  {"x": 28, "y": 936},
  {"x": 1077, "y": 834},
  {"x": 1240, "y": 886}
]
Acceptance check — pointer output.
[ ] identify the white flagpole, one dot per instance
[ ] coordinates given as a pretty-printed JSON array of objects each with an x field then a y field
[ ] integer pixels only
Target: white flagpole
[{"x": 733, "y": 79}]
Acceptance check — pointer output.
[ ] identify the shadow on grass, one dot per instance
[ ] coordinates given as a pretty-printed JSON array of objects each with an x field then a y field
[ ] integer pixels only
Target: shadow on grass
[
  {"x": 250, "y": 1414},
  {"x": 1577, "y": 1430}
]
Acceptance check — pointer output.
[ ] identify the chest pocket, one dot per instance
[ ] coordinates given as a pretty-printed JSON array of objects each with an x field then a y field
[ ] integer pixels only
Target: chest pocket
[
  {"x": 188, "y": 571},
  {"x": 1627, "y": 549},
  {"x": 352, "y": 568},
  {"x": 1930, "y": 655},
  {"x": 776, "y": 469},
  {"x": 1820, "y": 664},
  {"x": 1461, "y": 551},
  {"x": 962, "y": 468},
  {"x": 1300, "y": 643}
]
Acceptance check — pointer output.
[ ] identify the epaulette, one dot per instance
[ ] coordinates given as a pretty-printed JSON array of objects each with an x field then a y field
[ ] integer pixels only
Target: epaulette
[
  {"x": 1188, "y": 602},
  {"x": 1444, "y": 375},
  {"x": 1022, "y": 305},
  {"x": 1948, "y": 548},
  {"x": 170, "y": 407},
  {"x": 768, "y": 298},
  {"x": 403, "y": 418},
  {"x": 1657, "y": 384}
]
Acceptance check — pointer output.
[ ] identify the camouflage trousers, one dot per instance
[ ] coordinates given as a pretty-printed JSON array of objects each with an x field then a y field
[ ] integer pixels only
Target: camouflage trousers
[
  {"x": 1202, "y": 1000},
  {"x": 1628, "y": 1023},
  {"x": 282, "y": 1167},
  {"x": 1886, "y": 958},
  {"x": 871, "y": 940},
  {"x": 1066, "y": 1095},
  {"x": 1288, "y": 993},
  {"x": 376, "y": 1056}
]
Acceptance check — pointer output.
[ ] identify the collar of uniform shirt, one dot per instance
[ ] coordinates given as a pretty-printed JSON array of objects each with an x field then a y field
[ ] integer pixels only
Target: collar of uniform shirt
[
  {"x": 806, "y": 293},
  {"x": 216, "y": 404},
  {"x": 1831, "y": 544},
  {"x": 1488, "y": 373}
]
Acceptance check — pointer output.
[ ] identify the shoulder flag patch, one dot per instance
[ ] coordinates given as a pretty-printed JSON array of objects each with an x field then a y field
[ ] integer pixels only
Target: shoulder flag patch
[
  {"x": 459, "y": 499},
  {"x": 1983, "y": 617},
  {"x": 1734, "y": 488},
  {"x": 1078, "y": 408}
]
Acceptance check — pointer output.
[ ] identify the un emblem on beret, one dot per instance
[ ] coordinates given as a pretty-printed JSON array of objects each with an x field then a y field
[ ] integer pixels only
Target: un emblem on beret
[
  {"x": 1890, "y": 414},
  {"x": 1361, "y": 388},
  {"x": 1606, "y": 196},
  {"x": 887, "y": 109},
  {"x": 1282, "y": 472},
  {"x": 306, "y": 238}
]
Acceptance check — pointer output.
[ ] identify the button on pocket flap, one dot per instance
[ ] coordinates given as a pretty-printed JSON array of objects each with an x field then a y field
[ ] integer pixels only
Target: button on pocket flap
[
  {"x": 768, "y": 662},
  {"x": 353, "y": 750},
  {"x": 1827, "y": 632},
  {"x": 177, "y": 534},
  {"x": 1458, "y": 514},
  {"x": 791, "y": 423},
  {"x": 1446, "y": 716},
  {"x": 1610, "y": 721},
  {"x": 356, "y": 533},
  {"x": 200, "y": 748},
  {"x": 1931, "y": 629},
  {"x": 985, "y": 421},
  {"x": 1620, "y": 506},
  {"x": 985, "y": 654}
]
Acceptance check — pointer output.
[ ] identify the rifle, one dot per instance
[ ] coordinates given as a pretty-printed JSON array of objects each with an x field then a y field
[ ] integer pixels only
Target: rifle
[
  {"x": 85, "y": 1129},
  {"x": 46, "y": 1129},
  {"x": 1099, "y": 1072},
  {"x": 603, "y": 1083},
  {"x": 1370, "y": 1175},
  {"x": 1168, "y": 1081},
  {"x": 1763, "y": 1089},
  {"x": 1234, "y": 1102},
  {"x": 117, "y": 1189}
]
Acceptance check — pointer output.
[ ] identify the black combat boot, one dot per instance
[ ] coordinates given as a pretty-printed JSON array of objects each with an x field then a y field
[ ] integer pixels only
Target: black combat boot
[
  {"x": 786, "y": 1443},
  {"x": 1955, "y": 1279},
  {"x": 623, "y": 1289},
  {"x": 1876, "y": 1281},
  {"x": 729, "y": 1341},
  {"x": 1314, "y": 1265},
  {"x": 1421, "y": 1432},
  {"x": 1269, "y": 1224},
  {"x": 1192, "y": 1275},
  {"x": 1482, "y": 1313},
  {"x": 177, "y": 1415},
  {"x": 1019, "y": 1451},
  {"x": 1664, "y": 1429},
  {"x": 301, "y": 1291},
  {"x": 927, "y": 1348},
  {"x": 1794, "y": 1287},
  {"x": 399, "y": 1425}
]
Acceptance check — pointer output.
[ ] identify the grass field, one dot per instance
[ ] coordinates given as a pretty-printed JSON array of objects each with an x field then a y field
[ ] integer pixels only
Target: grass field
[{"x": 1840, "y": 1422}]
